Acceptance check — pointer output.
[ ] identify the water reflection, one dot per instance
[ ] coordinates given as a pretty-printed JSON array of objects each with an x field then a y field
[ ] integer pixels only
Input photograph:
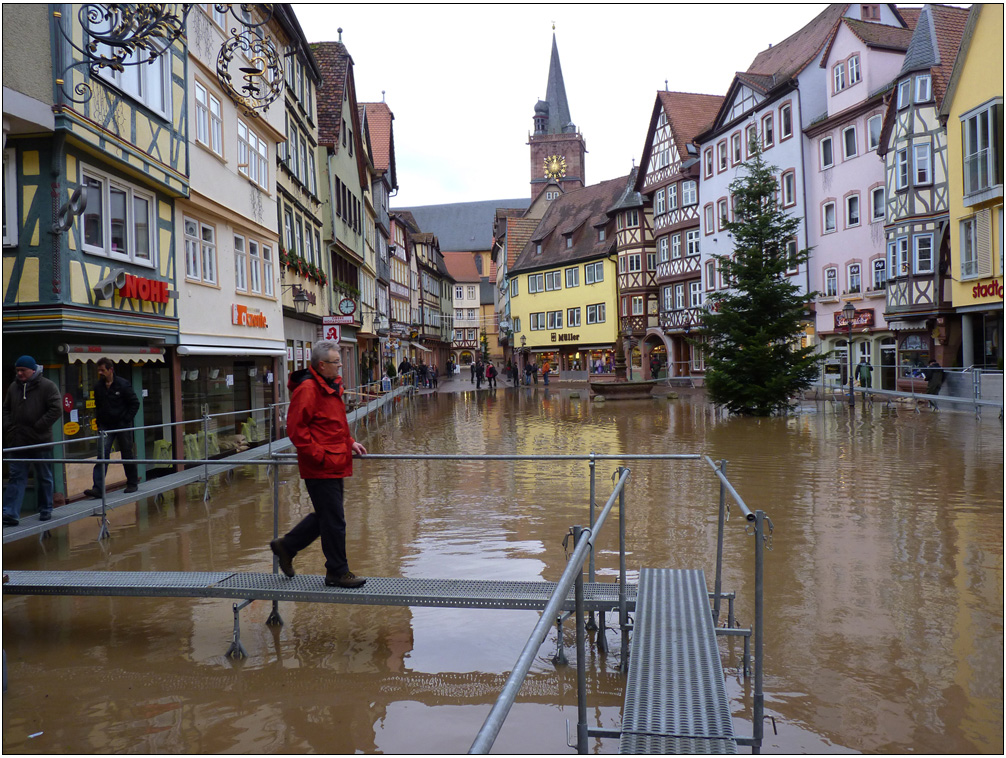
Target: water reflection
[{"x": 884, "y": 588}]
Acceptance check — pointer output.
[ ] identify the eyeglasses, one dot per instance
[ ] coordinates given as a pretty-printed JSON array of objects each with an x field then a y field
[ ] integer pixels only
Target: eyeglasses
[{"x": 333, "y": 363}]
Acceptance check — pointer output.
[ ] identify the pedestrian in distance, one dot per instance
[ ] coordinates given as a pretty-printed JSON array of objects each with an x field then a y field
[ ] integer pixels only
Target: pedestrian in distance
[
  {"x": 534, "y": 372},
  {"x": 527, "y": 374},
  {"x": 480, "y": 373},
  {"x": 318, "y": 427},
  {"x": 490, "y": 375},
  {"x": 473, "y": 371},
  {"x": 934, "y": 380},
  {"x": 30, "y": 408},
  {"x": 115, "y": 407},
  {"x": 545, "y": 369},
  {"x": 864, "y": 373}
]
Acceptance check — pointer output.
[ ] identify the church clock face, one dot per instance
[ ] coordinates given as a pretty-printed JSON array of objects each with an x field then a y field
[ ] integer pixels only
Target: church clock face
[{"x": 555, "y": 166}]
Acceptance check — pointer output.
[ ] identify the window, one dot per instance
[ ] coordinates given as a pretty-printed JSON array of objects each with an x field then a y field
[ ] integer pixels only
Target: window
[
  {"x": 767, "y": 131},
  {"x": 828, "y": 222},
  {"x": 637, "y": 305},
  {"x": 119, "y": 220},
  {"x": 879, "y": 270},
  {"x": 535, "y": 283},
  {"x": 600, "y": 234},
  {"x": 750, "y": 137},
  {"x": 692, "y": 236},
  {"x": 595, "y": 314},
  {"x": 209, "y": 125},
  {"x": 513, "y": 287},
  {"x": 786, "y": 121},
  {"x": 827, "y": 155},
  {"x": 254, "y": 267},
  {"x": 253, "y": 156},
  {"x": 902, "y": 255},
  {"x": 901, "y": 168},
  {"x": 308, "y": 245},
  {"x": 569, "y": 240},
  {"x": 924, "y": 254},
  {"x": 871, "y": 11},
  {"x": 635, "y": 262},
  {"x": 695, "y": 294},
  {"x": 831, "y": 282},
  {"x": 981, "y": 159},
  {"x": 852, "y": 210},
  {"x": 672, "y": 197},
  {"x": 854, "y": 75},
  {"x": 662, "y": 249},
  {"x": 554, "y": 319},
  {"x": 651, "y": 261},
  {"x": 721, "y": 156},
  {"x": 146, "y": 82},
  {"x": 679, "y": 296},
  {"x": 849, "y": 149},
  {"x": 792, "y": 256},
  {"x": 10, "y": 222},
  {"x": 668, "y": 301},
  {"x": 537, "y": 248},
  {"x": 572, "y": 277},
  {"x": 904, "y": 93},
  {"x": 689, "y": 193},
  {"x": 593, "y": 273},
  {"x": 708, "y": 161},
  {"x": 658, "y": 202},
  {"x": 267, "y": 271},
  {"x": 838, "y": 77},
  {"x": 710, "y": 275},
  {"x": 877, "y": 204},
  {"x": 709, "y": 218},
  {"x": 854, "y": 277},
  {"x": 722, "y": 212},
  {"x": 969, "y": 248},
  {"x": 553, "y": 281},
  {"x": 200, "y": 251},
  {"x": 675, "y": 247},
  {"x": 572, "y": 317},
  {"x": 459, "y": 292},
  {"x": 537, "y": 321},
  {"x": 299, "y": 231},
  {"x": 735, "y": 149},
  {"x": 923, "y": 164},
  {"x": 471, "y": 291},
  {"x": 873, "y": 126},
  {"x": 240, "y": 264},
  {"x": 516, "y": 324},
  {"x": 788, "y": 188},
  {"x": 923, "y": 88}
]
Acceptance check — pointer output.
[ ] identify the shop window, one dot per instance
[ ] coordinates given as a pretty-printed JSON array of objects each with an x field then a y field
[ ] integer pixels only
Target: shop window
[{"x": 913, "y": 354}]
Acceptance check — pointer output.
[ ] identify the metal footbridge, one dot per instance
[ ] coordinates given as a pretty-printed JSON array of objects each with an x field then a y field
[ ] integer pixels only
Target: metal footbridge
[{"x": 675, "y": 694}]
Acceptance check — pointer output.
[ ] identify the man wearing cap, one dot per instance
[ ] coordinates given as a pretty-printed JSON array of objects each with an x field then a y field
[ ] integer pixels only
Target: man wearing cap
[
  {"x": 115, "y": 405},
  {"x": 30, "y": 408}
]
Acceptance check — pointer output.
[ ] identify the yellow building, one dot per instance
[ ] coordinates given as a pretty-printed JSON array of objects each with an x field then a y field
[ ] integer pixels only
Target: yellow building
[
  {"x": 563, "y": 288},
  {"x": 973, "y": 115}
]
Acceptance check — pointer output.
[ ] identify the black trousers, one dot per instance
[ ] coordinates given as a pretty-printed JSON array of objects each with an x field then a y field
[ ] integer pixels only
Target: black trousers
[
  {"x": 125, "y": 440},
  {"x": 328, "y": 522}
]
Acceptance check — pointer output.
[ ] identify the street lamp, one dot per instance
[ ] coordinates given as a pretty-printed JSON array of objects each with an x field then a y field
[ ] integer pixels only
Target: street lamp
[
  {"x": 300, "y": 298},
  {"x": 849, "y": 314}
]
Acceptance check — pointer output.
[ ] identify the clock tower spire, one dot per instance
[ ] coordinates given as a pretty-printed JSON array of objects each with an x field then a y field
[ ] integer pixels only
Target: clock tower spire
[{"x": 557, "y": 147}]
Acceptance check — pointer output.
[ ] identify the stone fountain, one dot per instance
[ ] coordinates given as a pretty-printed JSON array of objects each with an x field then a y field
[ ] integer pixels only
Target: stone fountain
[{"x": 623, "y": 388}]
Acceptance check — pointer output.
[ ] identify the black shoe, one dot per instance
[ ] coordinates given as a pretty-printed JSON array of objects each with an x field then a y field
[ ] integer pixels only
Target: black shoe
[
  {"x": 131, "y": 488},
  {"x": 10, "y": 520},
  {"x": 349, "y": 580},
  {"x": 45, "y": 516},
  {"x": 93, "y": 492},
  {"x": 285, "y": 559}
]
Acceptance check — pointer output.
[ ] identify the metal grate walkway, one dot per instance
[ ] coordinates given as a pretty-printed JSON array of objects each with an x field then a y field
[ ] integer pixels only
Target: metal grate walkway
[
  {"x": 446, "y": 593},
  {"x": 675, "y": 696}
]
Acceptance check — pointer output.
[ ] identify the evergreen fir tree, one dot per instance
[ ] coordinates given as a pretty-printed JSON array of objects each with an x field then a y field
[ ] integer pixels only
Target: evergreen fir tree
[{"x": 754, "y": 363}]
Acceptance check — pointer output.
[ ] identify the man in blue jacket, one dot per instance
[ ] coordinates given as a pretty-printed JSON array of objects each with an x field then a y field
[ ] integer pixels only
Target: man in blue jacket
[{"x": 115, "y": 405}]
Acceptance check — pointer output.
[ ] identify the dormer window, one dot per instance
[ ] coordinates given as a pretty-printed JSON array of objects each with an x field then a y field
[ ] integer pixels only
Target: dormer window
[
  {"x": 871, "y": 11},
  {"x": 854, "y": 75},
  {"x": 923, "y": 88},
  {"x": 600, "y": 234},
  {"x": 537, "y": 248},
  {"x": 839, "y": 76},
  {"x": 569, "y": 240},
  {"x": 904, "y": 93}
]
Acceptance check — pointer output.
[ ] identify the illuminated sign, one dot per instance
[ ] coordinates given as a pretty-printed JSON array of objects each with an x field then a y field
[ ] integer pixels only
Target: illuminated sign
[
  {"x": 862, "y": 318},
  {"x": 144, "y": 289}
]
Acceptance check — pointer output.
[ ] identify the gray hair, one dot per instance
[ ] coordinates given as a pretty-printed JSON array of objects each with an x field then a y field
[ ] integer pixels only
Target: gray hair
[{"x": 321, "y": 350}]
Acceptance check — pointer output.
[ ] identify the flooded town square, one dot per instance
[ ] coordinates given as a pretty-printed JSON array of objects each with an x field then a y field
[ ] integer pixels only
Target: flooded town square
[{"x": 883, "y": 586}]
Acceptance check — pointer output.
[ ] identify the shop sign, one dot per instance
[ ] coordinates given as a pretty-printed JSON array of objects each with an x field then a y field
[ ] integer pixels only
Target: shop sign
[
  {"x": 557, "y": 337},
  {"x": 331, "y": 332},
  {"x": 241, "y": 316},
  {"x": 68, "y": 402},
  {"x": 334, "y": 320},
  {"x": 144, "y": 289},
  {"x": 993, "y": 289},
  {"x": 862, "y": 318},
  {"x": 70, "y": 428}
]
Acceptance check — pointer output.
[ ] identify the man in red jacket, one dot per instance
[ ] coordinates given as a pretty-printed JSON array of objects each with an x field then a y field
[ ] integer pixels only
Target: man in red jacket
[{"x": 318, "y": 428}]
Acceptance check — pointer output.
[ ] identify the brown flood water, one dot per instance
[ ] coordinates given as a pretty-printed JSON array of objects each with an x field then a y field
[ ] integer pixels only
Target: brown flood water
[{"x": 884, "y": 588}]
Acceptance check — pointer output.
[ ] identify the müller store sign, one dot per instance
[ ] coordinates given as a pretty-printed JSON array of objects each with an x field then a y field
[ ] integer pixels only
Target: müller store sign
[
  {"x": 863, "y": 318},
  {"x": 241, "y": 316}
]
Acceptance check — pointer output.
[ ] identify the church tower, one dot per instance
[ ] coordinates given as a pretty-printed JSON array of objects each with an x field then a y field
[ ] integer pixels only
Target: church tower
[{"x": 557, "y": 147}]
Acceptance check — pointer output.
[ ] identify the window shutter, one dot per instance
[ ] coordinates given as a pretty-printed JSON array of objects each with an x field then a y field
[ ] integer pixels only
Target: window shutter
[
  {"x": 983, "y": 241},
  {"x": 996, "y": 138}
]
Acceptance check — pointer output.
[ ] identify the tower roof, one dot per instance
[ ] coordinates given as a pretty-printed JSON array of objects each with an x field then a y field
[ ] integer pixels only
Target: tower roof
[{"x": 555, "y": 94}]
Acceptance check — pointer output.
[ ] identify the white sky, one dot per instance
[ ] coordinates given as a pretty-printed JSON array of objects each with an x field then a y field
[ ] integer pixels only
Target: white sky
[{"x": 462, "y": 80}]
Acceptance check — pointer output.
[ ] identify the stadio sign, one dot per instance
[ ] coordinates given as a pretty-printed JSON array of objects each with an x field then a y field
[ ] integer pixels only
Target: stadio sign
[{"x": 993, "y": 289}]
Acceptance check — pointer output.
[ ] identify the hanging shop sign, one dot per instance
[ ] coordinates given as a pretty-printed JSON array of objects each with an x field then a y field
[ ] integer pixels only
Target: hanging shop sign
[
  {"x": 863, "y": 318},
  {"x": 331, "y": 332},
  {"x": 242, "y": 316},
  {"x": 151, "y": 290}
]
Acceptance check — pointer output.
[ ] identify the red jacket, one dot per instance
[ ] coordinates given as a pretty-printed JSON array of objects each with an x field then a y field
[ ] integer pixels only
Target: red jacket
[{"x": 318, "y": 428}]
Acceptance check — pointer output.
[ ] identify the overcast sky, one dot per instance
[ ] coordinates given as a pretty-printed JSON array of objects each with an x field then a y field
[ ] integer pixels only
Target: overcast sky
[{"x": 462, "y": 80}]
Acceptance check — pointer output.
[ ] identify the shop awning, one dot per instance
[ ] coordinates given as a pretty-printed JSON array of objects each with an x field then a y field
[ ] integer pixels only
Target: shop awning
[
  {"x": 225, "y": 350},
  {"x": 420, "y": 347},
  {"x": 125, "y": 353}
]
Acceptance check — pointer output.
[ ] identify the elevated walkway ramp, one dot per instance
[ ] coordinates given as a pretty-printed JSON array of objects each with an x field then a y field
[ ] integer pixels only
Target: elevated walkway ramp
[
  {"x": 675, "y": 695},
  {"x": 445, "y": 593}
]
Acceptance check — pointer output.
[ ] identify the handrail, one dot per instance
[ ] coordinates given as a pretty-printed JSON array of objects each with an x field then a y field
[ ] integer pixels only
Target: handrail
[
  {"x": 574, "y": 567},
  {"x": 730, "y": 488},
  {"x": 867, "y": 391}
]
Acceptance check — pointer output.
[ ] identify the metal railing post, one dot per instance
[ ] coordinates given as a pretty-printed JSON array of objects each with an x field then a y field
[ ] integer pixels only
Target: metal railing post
[
  {"x": 623, "y": 608},
  {"x": 103, "y": 459},
  {"x": 274, "y": 617},
  {"x": 206, "y": 456},
  {"x": 581, "y": 655},
  {"x": 718, "y": 582},
  {"x": 591, "y": 625},
  {"x": 759, "y": 694}
]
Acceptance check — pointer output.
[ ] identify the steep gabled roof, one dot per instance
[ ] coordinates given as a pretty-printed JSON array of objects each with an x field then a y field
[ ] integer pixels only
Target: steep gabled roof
[
  {"x": 463, "y": 226},
  {"x": 334, "y": 61},
  {"x": 788, "y": 58},
  {"x": 581, "y": 209},
  {"x": 461, "y": 266},
  {"x": 688, "y": 115},
  {"x": 518, "y": 232},
  {"x": 872, "y": 34},
  {"x": 382, "y": 139}
]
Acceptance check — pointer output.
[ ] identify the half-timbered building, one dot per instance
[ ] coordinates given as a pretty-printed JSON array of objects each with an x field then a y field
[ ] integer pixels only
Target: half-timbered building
[
  {"x": 913, "y": 146},
  {"x": 669, "y": 177},
  {"x": 465, "y": 303}
]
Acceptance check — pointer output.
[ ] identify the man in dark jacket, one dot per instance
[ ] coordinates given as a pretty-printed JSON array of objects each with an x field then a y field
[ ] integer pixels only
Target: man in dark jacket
[
  {"x": 30, "y": 408},
  {"x": 318, "y": 428},
  {"x": 115, "y": 406}
]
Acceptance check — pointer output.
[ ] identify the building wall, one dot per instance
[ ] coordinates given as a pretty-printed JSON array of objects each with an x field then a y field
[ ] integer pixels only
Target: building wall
[{"x": 27, "y": 67}]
